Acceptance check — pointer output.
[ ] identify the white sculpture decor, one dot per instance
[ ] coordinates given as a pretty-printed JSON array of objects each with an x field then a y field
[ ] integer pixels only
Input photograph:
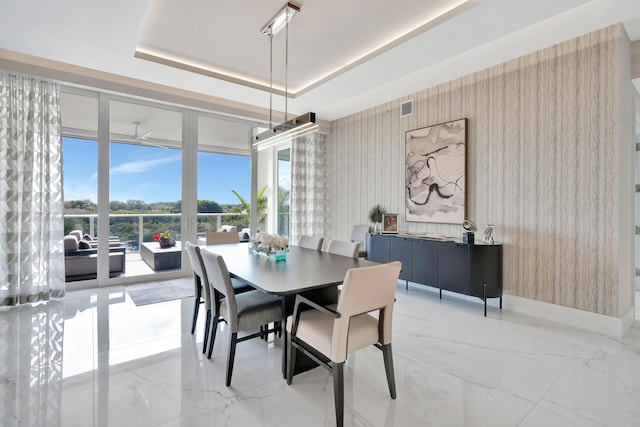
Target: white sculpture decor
[{"x": 271, "y": 246}]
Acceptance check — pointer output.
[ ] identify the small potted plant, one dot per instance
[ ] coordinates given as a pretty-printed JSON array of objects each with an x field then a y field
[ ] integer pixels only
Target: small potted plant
[
  {"x": 165, "y": 239},
  {"x": 375, "y": 215}
]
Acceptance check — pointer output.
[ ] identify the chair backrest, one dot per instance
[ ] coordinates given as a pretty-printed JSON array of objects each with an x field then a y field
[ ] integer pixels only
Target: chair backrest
[
  {"x": 359, "y": 235},
  {"x": 365, "y": 289},
  {"x": 220, "y": 280},
  {"x": 311, "y": 242},
  {"x": 340, "y": 247},
  {"x": 221, "y": 237},
  {"x": 199, "y": 273},
  {"x": 77, "y": 233}
]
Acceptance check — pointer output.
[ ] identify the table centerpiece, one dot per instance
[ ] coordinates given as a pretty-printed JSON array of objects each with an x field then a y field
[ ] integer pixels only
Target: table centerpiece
[{"x": 271, "y": 246}]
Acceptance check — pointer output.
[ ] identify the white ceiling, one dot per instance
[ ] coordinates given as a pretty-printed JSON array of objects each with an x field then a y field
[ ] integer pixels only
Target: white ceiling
[{"x": 325, "y": 37}]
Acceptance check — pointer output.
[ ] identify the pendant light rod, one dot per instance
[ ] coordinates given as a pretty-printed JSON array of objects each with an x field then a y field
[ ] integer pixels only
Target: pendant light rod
[
  {"x": 298, "y": 126},
  {"x": 270, "y": 81},
  {"x": 286, "y": 68}
]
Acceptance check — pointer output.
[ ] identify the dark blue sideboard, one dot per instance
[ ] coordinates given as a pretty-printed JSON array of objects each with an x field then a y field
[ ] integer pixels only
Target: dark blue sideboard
[{"x": 474, "y": 270}]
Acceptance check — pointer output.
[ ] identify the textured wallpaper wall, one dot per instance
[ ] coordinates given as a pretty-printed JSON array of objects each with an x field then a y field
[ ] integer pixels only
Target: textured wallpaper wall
[{"x": 542, "y": 165}]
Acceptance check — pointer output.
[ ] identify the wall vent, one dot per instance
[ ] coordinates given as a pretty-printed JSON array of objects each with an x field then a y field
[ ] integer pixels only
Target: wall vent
[{"x": 406, "y": 109}]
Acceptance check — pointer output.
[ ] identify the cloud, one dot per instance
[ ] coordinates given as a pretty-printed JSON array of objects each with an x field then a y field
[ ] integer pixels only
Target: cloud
[{"x": 140, "y": 166}]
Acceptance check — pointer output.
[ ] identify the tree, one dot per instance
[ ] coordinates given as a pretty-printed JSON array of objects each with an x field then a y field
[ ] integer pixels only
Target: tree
[
  {"x": 208, "y": 206},
  {"x": 261, "y": 207}
]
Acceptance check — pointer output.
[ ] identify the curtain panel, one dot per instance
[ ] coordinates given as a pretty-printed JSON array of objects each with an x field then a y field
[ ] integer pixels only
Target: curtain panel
[
  {"x": 31, "y": 365},
  {"x": 308, "y": 186},
  {"x": 31, "y": 204}
]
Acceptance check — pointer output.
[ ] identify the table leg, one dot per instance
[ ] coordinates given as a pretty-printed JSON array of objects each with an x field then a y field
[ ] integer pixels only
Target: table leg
[{"x": 283, "y": 329}]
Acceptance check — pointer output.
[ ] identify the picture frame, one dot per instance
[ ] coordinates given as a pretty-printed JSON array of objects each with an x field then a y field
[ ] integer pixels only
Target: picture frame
[
  {"x": 488, "y": 234},
  {"x": 435, "y": 173},
  {"x": 389, "y": 223}
]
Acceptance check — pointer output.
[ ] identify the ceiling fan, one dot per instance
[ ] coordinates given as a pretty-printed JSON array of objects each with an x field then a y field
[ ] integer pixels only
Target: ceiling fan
[{"x": 140, "y": 137}]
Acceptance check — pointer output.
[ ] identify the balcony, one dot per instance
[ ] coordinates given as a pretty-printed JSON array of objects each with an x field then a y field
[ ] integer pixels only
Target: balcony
[{"x": 134, "y": 229}]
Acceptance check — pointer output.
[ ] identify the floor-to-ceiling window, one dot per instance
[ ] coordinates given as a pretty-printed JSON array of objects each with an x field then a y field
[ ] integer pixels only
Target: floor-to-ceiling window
[
  {"x": 284, "y": 190},
  {"x": 224, "y": 174},
  {"x": 145, "y": 185},
  {"x": 140, "y": 159}
]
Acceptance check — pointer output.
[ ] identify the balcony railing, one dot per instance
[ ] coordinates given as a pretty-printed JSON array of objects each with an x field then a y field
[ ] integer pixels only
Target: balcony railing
[{"x": 133, "y": 229}]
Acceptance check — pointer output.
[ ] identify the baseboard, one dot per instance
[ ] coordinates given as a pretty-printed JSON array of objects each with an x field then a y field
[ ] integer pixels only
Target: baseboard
[{"x": 607, "y": 325}]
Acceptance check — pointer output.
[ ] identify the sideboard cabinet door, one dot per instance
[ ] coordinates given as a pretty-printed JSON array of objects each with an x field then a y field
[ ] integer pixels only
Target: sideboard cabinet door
[
  {"x": 425, "y": 262},
  {"x": 379, "y": 248},
  {"x": 485, "y": 267},
  {"x": 402, "y": 250},
  {"x": 453, "y": 267}
]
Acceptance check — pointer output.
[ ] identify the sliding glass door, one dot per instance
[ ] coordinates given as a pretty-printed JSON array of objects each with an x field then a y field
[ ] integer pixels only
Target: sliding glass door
[
  {"x": 145, "y": 187},
  {"x": 141, "y": 178}
]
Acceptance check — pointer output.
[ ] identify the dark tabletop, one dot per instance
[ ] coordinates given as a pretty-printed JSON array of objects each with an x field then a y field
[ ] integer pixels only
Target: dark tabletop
[{"x": 304, "y": 269}]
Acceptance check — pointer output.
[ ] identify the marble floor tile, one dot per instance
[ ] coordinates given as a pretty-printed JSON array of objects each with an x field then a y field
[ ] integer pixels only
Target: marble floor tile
[{"x": 96, "y": 359}]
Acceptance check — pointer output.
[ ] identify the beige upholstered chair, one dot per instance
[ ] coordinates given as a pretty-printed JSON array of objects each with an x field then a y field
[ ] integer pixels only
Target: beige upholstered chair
[
  {"x": 221, "y": 237},
  {"x": 243, "y": 312},
  {"x": 359, "y": 235},
  {"x": 311, "y": 242},
  {"x": 343, "y": 248},
  {"x": 202, "y": 290},
  {"x": 328, "y": 334}
]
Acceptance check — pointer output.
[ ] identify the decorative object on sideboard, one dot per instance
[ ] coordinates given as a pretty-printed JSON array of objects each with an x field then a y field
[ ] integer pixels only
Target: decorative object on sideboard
[
  {"x": 488, "y": 234},
  {"x": 375, "y": 216},
  {"x": 468, "y": 236},
  {"x": 435, "y": 159},
  {"x": 389, "y": 223}
]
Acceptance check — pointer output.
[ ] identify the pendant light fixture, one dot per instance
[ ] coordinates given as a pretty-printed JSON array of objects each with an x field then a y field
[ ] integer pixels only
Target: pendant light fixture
[{"x": 298, "y": 126}]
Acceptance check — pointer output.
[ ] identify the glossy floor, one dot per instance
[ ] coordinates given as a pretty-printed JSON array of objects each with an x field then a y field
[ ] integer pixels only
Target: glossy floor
[{"x": 95, "y": 359}]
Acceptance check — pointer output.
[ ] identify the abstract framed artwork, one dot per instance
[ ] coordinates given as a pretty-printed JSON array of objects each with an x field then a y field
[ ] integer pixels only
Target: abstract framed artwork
[
  {"x": 389, "y": 223},
  {"x": 435, "y": 161}
]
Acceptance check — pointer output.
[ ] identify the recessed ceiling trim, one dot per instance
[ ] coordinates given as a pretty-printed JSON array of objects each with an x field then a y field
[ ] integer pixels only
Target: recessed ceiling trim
[
  {"x": 431, "y": 23},
  {"x": 174, "y": 61},
  {"x": 184, "y": 64}
]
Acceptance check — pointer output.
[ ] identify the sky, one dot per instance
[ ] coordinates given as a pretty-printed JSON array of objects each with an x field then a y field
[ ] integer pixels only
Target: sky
[{"x": 151, "y": 174}]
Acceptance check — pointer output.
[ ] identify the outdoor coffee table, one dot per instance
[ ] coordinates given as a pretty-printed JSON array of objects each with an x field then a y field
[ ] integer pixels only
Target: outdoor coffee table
[{"x": 161, "y": 258}]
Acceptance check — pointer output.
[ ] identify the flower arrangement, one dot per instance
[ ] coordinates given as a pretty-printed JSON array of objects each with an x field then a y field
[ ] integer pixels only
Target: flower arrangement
[
  {"x": 270, "y": 245},
  {"x": 165, "y": 239},
  {"x": 270, "y": 242}
]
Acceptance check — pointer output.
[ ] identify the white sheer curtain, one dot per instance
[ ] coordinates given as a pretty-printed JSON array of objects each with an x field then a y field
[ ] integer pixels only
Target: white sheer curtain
[
  {"x": 31, "y": 206},
  {"x": 31, "y": 365},
  {"x": 308, "y": 186}
]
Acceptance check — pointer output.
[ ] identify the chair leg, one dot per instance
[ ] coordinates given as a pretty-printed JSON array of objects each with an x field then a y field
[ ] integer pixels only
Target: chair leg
[
  {"x": 232, "y": 355},
  {"x": 388, "y": 367},
  {"x": 214, "y": 328},
  {"x": 291, "y": 360},
  {"x": 196, "y": 308},
  {"x": 338, "y": 392},
  {"x": 207, "y": 326}
]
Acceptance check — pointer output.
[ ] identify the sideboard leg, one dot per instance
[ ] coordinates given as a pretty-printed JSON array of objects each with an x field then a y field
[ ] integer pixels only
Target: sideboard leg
[
  {"x": 440, "y": 293},
  {"x": 500, "y": 303},
  {"x": 484, "y": 298},
  {"x": 406, "y": 285}
]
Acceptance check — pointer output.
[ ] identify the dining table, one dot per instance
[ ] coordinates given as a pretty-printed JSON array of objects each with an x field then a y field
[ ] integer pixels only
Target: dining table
[{"x": 307, "y": 272}]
